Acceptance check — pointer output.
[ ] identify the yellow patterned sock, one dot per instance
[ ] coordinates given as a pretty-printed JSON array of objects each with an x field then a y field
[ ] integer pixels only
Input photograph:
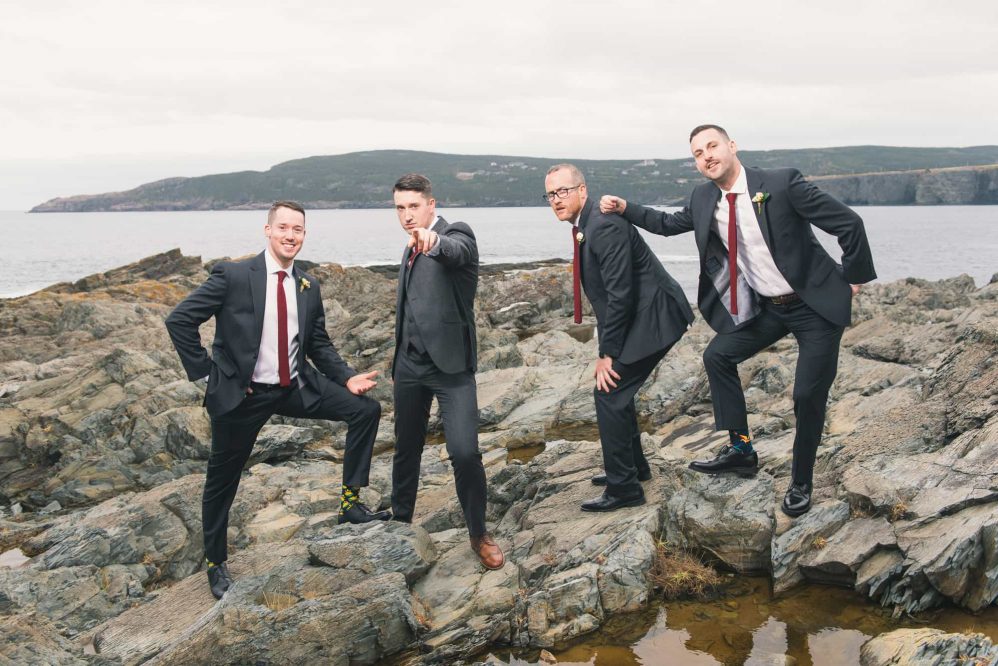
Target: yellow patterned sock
[{"x": 349, "y": 496}]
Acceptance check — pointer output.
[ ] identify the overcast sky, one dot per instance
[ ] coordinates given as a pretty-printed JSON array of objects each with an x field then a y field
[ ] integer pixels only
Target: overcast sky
[{"x": 106, "y": 95}]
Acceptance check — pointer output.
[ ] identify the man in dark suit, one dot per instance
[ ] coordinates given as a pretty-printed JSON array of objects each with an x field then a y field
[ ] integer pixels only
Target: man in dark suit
[
  {"x": 268, "y": 319},
  {"x": 763, "y": 274},
  {"x": 436, "y": 355},
  {"x": 640, "y": 313}
]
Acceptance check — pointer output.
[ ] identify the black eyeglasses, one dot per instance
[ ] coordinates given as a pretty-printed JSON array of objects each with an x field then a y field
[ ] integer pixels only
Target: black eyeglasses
[{"x": 560, "y": 193}]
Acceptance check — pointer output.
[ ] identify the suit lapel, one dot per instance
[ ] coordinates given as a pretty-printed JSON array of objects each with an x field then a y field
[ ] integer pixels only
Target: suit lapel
[
  {"x": 258, "y": 292},
  {"x": 704, "y": 220},
  {"x": 587, "y": 210},
  {"x": 302, "y": 299},
  {"x": 756, "y": 183}
]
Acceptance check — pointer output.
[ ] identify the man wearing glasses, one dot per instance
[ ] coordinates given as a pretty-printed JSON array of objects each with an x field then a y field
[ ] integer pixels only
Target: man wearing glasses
[
  {"x": 641, "y": 312},
  {"x": 763, "y": 275}
]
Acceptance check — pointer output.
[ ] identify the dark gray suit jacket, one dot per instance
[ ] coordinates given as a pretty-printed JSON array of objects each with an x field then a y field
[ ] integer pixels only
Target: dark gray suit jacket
[
  {"x": 235, "y": 294},
  {"x": 786, "y": 217},
  {"x": 441, "y": 292},
  {"x": 639, "y": 308}
]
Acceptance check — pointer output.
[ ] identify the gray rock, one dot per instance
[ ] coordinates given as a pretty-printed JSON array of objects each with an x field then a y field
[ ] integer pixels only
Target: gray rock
[
  {"x": 34, "y": 640},
  {"x": 729, "y": 517},
  {"x": 805, "y": 534},
  {"x": 377, "y": 548},
  {"x": 277, "y": 443},
  {"x": 928, "y": 647},
  {"x": 840, "y": 556}
]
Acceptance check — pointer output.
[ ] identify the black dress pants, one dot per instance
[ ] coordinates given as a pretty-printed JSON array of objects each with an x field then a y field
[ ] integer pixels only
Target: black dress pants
[
  {"x": 617, "y": 419},
  {"x": 817, "y": 361},
  {"x": 417, "y": 381},
  {"x": 234, "y": 433}
]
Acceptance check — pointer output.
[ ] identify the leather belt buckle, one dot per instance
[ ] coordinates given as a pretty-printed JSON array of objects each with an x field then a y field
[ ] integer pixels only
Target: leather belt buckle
[
  {"x": 263, "y": 388},
  {"x": 784, "y": 299}
]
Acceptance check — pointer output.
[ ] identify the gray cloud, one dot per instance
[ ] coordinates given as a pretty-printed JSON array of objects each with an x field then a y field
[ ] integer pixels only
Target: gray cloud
[{"x": 169, "y": 88}]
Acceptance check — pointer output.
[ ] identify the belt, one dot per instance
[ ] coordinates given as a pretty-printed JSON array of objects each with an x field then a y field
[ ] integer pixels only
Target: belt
[
  {"x": 266, "y": 388},
  {"x": 785, "y": 299}
]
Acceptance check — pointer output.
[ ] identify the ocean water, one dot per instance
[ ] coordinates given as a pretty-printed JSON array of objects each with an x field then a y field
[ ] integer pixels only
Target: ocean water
[{"x": 38, "y": 250}]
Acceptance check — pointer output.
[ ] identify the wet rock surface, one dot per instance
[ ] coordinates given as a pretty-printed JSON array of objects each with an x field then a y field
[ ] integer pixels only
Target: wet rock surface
[{"x": 103, "y": 444}]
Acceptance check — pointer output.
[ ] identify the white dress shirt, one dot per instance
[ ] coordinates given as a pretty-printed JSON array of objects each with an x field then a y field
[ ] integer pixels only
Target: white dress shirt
[
  {"x": 266, "y": 370},
  {"x": 755, "y": 261}
]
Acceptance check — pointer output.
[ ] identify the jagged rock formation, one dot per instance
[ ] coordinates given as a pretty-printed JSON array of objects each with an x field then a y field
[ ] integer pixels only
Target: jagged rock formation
[{"x": 96, "y": 416}]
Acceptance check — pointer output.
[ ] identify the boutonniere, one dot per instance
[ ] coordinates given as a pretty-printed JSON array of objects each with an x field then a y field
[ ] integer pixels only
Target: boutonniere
[
  {"x": 580, "y": 237},
  {"x": 759, "y": 199},
  {"x": 303, "y": 284}
]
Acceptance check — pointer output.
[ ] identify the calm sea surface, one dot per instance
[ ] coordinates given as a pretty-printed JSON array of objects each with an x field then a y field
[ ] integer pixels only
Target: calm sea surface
[{"x": 40, "y": 249}]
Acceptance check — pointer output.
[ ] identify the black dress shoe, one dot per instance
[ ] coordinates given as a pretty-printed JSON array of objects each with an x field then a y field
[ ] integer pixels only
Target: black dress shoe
[
  {"x": 218, "y": 579},
  {"x": 608, "y": 502},
  {"x": 359, "y": 513},
  {"x": 729, "y": 459},
  {"x": 797, "y": 501},
  {"x": 600, "y": 479}
]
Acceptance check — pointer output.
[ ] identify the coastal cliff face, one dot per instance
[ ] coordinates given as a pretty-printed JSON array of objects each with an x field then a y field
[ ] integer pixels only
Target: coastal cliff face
[
  {"x": 928, "y": 187},
  {"x": 364, "y": 179},
  {"x": 103, "y": 445}
]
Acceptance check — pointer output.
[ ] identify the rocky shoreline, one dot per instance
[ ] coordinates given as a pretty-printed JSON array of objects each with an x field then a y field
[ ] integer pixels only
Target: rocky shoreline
[{"x": 103, "y": 445}]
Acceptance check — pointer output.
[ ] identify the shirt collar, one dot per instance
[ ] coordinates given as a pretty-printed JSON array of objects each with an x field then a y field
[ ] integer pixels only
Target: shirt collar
[
  {"x": 741, "y": 183},
  {"x": 273, "y": 266}
]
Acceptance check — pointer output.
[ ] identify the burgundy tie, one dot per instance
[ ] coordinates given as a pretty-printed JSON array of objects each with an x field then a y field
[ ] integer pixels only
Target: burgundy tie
[
  {"x": 412, "y": 258},
  {"x": 283, "y": 362},
  {"x": 733, "y": 251},
  {"x": 576, "y": 284}
]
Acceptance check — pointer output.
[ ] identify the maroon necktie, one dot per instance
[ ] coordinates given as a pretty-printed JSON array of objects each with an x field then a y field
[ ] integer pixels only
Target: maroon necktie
[
  {"x": 412, "y": 258},
  {"x": 283, "y": 364},
  {"x": 576, "y": 284},
  {"x": 733, "y": 251}
]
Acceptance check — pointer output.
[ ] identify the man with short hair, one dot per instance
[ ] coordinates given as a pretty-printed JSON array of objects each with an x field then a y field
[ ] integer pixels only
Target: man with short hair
[
  {"x": 641, "y": 312},
  {"x": 763, "y": 274},
  {"x": 436, "y": 355},
  {"x": 268, "y": 320}
]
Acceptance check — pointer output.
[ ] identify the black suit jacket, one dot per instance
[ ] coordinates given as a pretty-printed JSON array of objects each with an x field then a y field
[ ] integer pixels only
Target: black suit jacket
[
  {"x": 785, "y": 218},
  {"x": 235, "y": 294},
  {"x": 441, "y": 292},
  {"x": 639, "y": 308}
]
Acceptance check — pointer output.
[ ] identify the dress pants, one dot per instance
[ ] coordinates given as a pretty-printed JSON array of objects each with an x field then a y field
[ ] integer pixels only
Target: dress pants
[
  {"x": 417, "y": 381},
  {"x": 234, "y": 433},
  {"x": 617, "y": 419},
  {"x": 818, "y": 341}
]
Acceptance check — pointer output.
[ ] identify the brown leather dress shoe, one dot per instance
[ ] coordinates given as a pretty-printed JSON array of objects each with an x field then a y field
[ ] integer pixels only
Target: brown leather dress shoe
[{"x": 488, "y": 551}]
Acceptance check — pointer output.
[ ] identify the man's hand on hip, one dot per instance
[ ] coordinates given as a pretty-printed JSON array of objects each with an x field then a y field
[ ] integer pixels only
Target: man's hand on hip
[
  {"x": 855, "y": 289},
  {"x": 361, "y": 383}
]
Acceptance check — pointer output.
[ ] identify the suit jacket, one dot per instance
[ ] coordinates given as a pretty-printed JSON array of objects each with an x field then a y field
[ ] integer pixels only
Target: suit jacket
[
  {"x": 785, "y": 218},
  {"x": 235, "y": 294},
  {"x": 640, "y": 309},
  {"x": 440, "y": 290}
]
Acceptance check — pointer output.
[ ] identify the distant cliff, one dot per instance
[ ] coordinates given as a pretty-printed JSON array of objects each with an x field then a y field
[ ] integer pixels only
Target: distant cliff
[
  {"x": 961, "y": 185},
  {"x": 364, "y": 179}
]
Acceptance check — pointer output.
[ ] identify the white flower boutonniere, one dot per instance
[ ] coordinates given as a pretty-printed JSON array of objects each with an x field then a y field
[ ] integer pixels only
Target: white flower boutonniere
[
  {"x": 580, "y": 237},
  {"x": 759, "y": 199},
  {"x": 303, "y": 284}
]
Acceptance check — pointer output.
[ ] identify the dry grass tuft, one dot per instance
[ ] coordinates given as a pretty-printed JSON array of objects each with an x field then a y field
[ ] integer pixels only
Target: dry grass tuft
[
  {"x": 898, "y": 511},
  {"x": 819, "y": 542},
  {"x": 680, "y": 574},
  {"x": 278, "y": 601}
]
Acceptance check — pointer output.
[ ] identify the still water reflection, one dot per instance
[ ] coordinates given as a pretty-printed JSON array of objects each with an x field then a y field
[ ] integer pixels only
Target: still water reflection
[{"x": 816, "y": 626}]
